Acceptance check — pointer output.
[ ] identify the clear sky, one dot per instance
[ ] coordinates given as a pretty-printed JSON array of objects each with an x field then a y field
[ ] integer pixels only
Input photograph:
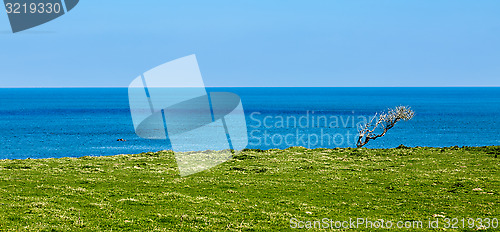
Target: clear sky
[{"x": 262, "y": 43}]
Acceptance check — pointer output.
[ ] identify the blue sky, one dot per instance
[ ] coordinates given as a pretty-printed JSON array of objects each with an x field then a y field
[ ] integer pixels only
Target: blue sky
[{"x": 262, "y": 43}]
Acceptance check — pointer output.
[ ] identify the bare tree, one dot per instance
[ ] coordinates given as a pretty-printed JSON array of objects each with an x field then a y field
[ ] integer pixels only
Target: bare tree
[{"x": 384, "y": 122}]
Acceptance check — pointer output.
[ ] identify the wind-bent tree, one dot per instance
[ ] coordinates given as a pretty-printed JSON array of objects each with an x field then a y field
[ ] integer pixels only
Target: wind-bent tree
[{"x": 385, "y": 121}]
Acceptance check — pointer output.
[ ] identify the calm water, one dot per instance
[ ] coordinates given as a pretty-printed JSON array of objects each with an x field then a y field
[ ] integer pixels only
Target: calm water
[{"x": 40, "y": 123}]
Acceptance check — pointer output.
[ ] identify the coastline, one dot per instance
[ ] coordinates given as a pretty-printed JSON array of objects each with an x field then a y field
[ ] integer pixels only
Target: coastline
[{"x": 278, "y": 149}]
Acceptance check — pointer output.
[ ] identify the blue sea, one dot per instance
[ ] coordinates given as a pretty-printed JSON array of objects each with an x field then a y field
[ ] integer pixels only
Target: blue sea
[{"x": 75, "y": 122}]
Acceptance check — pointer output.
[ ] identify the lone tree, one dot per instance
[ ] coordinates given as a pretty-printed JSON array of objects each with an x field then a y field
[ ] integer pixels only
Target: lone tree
[{"x": 385, "y": 121}]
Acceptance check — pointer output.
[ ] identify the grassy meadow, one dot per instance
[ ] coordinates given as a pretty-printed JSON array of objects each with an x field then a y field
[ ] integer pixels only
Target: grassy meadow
[{"x": 254, "y": 191}]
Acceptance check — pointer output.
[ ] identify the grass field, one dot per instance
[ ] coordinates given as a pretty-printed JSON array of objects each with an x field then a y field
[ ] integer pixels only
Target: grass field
[{"x": 254, "y": 191}]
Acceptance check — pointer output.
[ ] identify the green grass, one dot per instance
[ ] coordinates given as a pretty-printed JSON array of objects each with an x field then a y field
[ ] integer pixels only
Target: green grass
[{"x": 254, "y": 191}]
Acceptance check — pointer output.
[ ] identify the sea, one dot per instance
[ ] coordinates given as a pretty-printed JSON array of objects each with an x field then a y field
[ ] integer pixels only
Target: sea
[{"x": 76, "y": 122}]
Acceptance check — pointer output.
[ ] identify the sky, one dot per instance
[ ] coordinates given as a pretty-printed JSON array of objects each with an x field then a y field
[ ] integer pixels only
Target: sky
[{"x": 330, "y": 43}]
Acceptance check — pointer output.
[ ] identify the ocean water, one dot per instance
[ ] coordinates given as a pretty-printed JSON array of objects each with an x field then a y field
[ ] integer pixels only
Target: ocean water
[{"x": 74, "y": 122}]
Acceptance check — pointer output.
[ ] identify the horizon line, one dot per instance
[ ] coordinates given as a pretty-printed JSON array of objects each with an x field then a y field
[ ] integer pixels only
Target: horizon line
[{"x": 62, "y": 87}]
